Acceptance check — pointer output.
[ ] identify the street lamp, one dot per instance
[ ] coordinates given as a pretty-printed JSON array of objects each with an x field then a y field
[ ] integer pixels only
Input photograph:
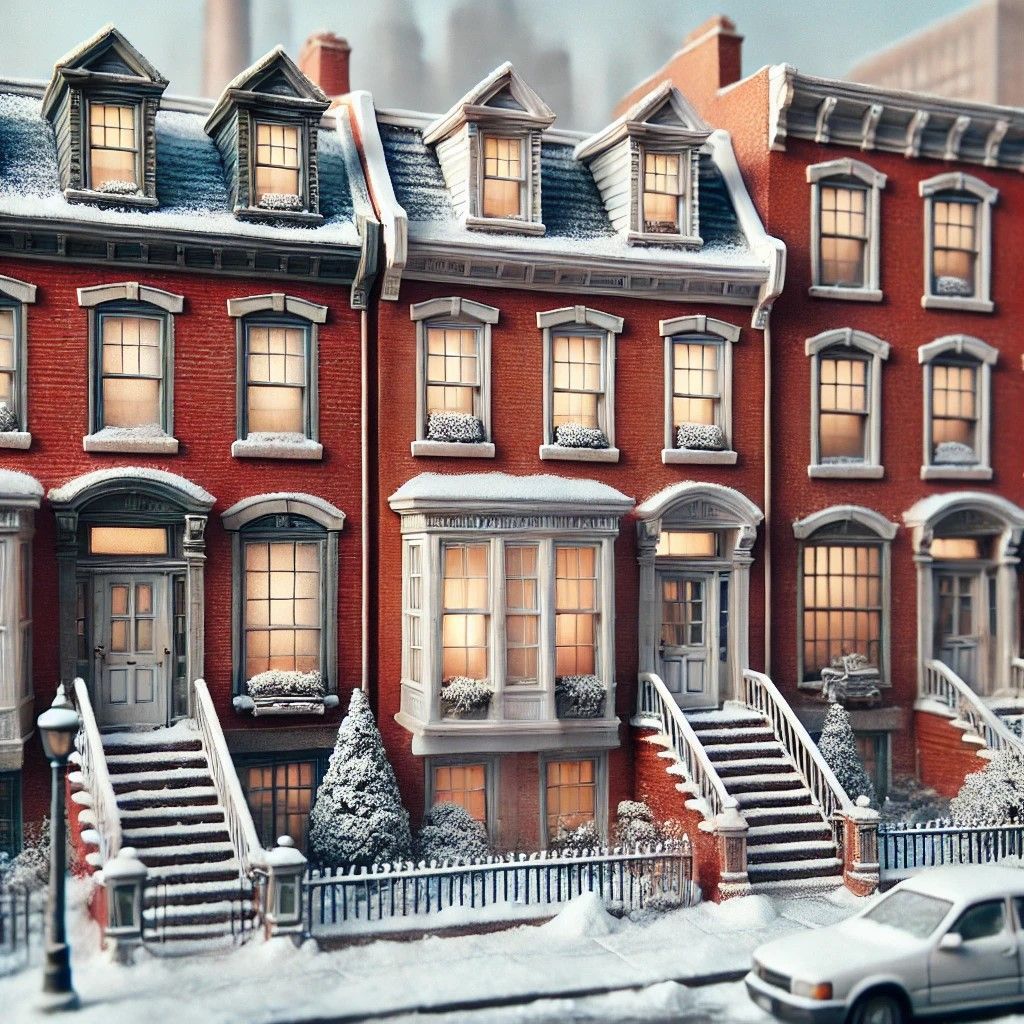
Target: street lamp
[{"x": 58, "y": 727}]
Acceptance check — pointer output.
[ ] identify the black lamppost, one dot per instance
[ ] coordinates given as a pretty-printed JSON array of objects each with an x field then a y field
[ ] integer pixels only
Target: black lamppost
[{"x": 58, "y": 726}]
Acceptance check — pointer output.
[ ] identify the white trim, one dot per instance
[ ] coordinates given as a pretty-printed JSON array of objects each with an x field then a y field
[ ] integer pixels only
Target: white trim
[
  {"x": 453, "y": 449},
  {"x": 17, "y": 296},
  {"x": 252, "y": 448},
  {"x": 696, "y": 457},
  {"x": 20, "y": 291},
  {"x": 846, "y": 167},
  {"x": 558, "y": 453},
  {"x": 320, "y": 511},
  {"x": 130, "y": 291},
  {"x": 830, "y": 291},
  {"x": 16, "y": 439},
  {"x": 580, "y": 315},
  {"x": 454, "y": 306},
  {"x": 277, "y": 302},
  {"x": 102, "y": 441},
  {"x": 867, "y": 517},
  {"x": 738, "y": 508}
]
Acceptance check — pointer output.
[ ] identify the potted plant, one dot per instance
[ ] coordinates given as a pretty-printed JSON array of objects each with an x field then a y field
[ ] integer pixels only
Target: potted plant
[
  {"x": 579, "y": 696},
  {"x": 462, "y": 697}
]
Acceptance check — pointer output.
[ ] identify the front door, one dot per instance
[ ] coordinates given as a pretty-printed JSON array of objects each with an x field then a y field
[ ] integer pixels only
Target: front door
[
  {"x": 132, "y": 641},
  {"x": 688, "y": 648},
  {"x": 960, "y": 626}
]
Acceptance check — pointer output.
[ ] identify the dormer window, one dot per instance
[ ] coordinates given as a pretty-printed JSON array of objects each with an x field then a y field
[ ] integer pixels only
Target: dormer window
[
  {"x": 277, "y": 161},
  {"x": 489, "y": 149},
  {"x": 663, "y": 193},
  {"x": 102, "y": 102}
]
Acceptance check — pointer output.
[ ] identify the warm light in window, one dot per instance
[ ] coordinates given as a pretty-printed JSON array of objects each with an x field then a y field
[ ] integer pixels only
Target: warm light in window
[
  {"x": 663, "y": 186},
  {"x": 128, "y": 540},
  {"x": 453, "y": 374},
  {"x": 688, "y": 544},
  {"x": 132, "y": 371},
  {"x": 112, "y": 149},
  {"x": 276, "y": 368},
  {"x": 954, "y": 548},
  {"x": 571, "y": 792},
  {"x": 843, "y": 235},
  {"x": 954, "y": 394},
  {"x": 277, "y": 160},
  {"x": 577, "y": 379},
  {"x": 843, "y": 399},
  {"x": 954, "y": 247},
  {"x": 695, "y": 387},
  {"x": 464, "y": 624},
  {"x": 576, "y": 600},
  {"x": 522, "y": 613},
  {"x": 503, "y": 177},
  {"x": 462, "y": 784}
]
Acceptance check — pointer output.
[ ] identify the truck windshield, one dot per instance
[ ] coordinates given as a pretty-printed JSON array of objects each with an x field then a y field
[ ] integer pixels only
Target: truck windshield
[{"x": 911, "y": 912}]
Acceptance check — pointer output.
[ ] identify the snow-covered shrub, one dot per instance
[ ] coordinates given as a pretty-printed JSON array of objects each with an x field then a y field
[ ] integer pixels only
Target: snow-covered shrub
[
  {"x": 450, "y": 832},
  {"x": 457, "y": 427},
  {"x": 575, "y": 435},
  {"x": 635, "y": 824},
  {"x": 582, "y": 838},
  {"x": 700, "y": 437},
  {"x": 579, "y": 696},
  {"x": 992, "y": 796},
  {"x": 8, "y": 421},
  {"x": 30, "y": 869},
  {"x": 954, "y": 453},
  {"x": 280, "y": 201},
  {"x": 358, "y": 818},
  {"x": 949, "y": 285},
  {"x": 839, "y": 748},
  {"x": 277, "y": 683},
  {"x": 118, "y": 188},
  {"x": 462, "y": 696}
]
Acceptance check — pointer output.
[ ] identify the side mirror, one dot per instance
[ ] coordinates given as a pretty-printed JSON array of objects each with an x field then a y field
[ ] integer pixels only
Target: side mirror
[{"x": 951, "y": 941}]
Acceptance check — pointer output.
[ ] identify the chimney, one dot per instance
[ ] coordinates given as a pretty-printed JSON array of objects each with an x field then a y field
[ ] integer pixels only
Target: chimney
[
  {"x": 720, "y": 36},
  {"x": 226, "y": 43},
  {"x": 324, "y": 60}
]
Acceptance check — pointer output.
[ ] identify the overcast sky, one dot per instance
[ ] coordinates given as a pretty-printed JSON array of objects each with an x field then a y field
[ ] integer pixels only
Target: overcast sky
[{"x": 400, "y": 46}]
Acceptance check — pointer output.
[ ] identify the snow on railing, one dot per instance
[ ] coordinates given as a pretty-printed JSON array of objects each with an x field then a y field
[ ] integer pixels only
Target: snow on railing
[
  {"x": 498, "y": 888},
  {"x": 1017, "y": 676},
  {"x": 92, "y": 763},
  {"x": 241, "y": 828},
  {"x": 762, "y": 695},
  {"x": 655, "y": 702},
  {"x": 904, "y": 849},
  {"x": 940, "y": 683}
]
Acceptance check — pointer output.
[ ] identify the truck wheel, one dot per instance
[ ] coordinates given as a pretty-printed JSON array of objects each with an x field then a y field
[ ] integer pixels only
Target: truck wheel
[{"x": 877, "y": 1008}]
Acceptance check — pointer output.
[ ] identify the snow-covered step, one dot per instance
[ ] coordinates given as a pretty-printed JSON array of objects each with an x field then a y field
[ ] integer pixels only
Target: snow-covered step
[
  {"x": 752, "y": 765},
  {"x": 746, "y": 751},
  {"x": 754, "y": 734},
  {"x": 172, "y": 814},
  {"x": 764, "y": 853},
  {"x": 150, "y": 798},
  {"x": 704, "y": 720},
  {"x": 180, "y": 893},
  {"x": 195, "y": 913},
  {"x": 176, "y": 834},
  {"x": 764, "y": 782},
  {"x": 778, "y": 831},
  {"x": 172, "y": 778},
  {"x": 154, "y": 760},
  {"x": 217, "y": 871},
  {"x": 814, "y": 885},
  {"x": 801, "y": 869},
  {"x": 194, "y": 853},
  {"x": 792, "y": 814},
  {"x": 770, "y": 798}
]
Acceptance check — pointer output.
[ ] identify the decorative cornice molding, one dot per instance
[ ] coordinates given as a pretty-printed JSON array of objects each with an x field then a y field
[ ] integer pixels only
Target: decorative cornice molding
[
  {"x": 580, "y": 316},
  {"x": 850, "y": 338},
  {"x": 699, "y": 324},
  {"x": 454, "y": 306},
  {"x": 130, "y": 291},
  {"x": 957, "y": 181},
  {"x": 958, "y": 344},
  {"x": 277, "y": 302},
  {"x": 320, "y": 511},
  {"x": 866, "y": 517},
  {"x": 20, "y": 291}
]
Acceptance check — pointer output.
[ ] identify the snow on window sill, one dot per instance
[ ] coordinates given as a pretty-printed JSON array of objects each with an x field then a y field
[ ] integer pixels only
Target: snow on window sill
[
  {"x": 454, "y": 449},
  {"x": 505, "y": 225},
  {"x": 967, "y": 304},
  {"x": 88, "y": 195},
  {"x": 696, "y": 456},
  {"x": 832, "y": 291},
  {"x": 146, "y": 440},
  {"x": 15, "y": 439},
  {"x": 298, "y": 217},
  {"x": 261, "y": 445},
  {"x": 956, "y": 472},
  {"x": 277, "y": 706},
  {"x": 846, "y": 471},
  {"x": 558, "y": 452},
  {"x": 667, "y": 238}
]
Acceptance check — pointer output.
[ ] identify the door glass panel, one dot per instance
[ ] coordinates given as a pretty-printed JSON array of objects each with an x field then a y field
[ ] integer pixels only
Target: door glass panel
[
  {"x": 119, "y": 635},
  {"x": 143, "y": 599},
  {"x": 144, "y": 636},
  {"x": 128, "y": 540},
  {"x": 682, "y": 612},
  {"x": 118, "y": 600}
]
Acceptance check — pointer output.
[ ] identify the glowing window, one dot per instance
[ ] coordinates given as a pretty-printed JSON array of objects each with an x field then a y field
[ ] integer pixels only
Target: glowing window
[
  {"x": 844, "y": 235},
  {"x": 696, "y": 382},
  {"x": 844, "y": 408},
  {"x": 466, "y": 611},
  {"x": 571, "y": 794},
  {"x": 128, "y": 540},
  {"x": 276, "y": 379},
  {"x": 663, "y": 190},
  {"x": 951, "y": 549},
  {"x": 113, "y": 149},
  {"x": 462, "y": 784},
  {"x": 503, "y": 177},
  {"x": 131, "y": 371},
  {"x": 8, "y": 361},
  {"x": 954, "y": 406},
  {"x": 453, "y": 369},
  {"x": 576, "y": 610},
  {"x": 277, "y": 160},
  {"x": 954, "y": 246},
  {"x": 687, "y": 544},
  {"x": 414, "y": 612},
  {"x": 522, "y": 613},
  {"x": 578, "y": 379},
  {"x": 280, "y": 797}
]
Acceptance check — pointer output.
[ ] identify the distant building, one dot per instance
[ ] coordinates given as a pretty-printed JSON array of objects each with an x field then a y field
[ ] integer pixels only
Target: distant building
[{"x": 973, "y": 55}]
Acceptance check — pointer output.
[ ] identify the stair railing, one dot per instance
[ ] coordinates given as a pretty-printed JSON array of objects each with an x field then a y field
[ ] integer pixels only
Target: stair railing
[
  {"x": 655, "y": 703},
  {"x": 763, "y": 696},
  {"x": 941, "y": 684},
  {"x": 241, "y": 827},
  {"x": 92, "y": 763},
  {"x": 1017, "y": 676}
]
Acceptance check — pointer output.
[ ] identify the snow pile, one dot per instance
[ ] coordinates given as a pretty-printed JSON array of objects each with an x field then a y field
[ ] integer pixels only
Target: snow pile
[
  {"x": 463, "y": 696},
  {"x": 953, "y": 453},
  {"x": 947, "y": 284},
  {"x": 358, "y": 818},
  {"x": 993, "y": 796},
  {"x": 700, "y": 437},
  {"x": 276, "y": 683},
  {"x": 8, "y": 420},
  {"x": 29, "y": 871},
  {"x": 582, "y": 918},
  {"x": 744, "y": 913},
  {"x": 535, "y": 489},
  {"x": 449, "y": 832},
  {"x": 839, "y": 748},
  {"x": 575, "y": 435},
  {"x": 73, "y": 488},
  {"x": 454, "y": 427},
  {"x": 280, "y": 201},
  {"x": 579, "y": 696}
]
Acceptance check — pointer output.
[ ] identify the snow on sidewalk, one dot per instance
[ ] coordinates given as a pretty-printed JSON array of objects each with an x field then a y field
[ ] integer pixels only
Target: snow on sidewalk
[{"x": 582, "y": 948}]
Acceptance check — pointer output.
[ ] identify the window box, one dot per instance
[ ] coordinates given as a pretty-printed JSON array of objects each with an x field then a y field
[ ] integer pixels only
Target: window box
[
  {"x": 286, "y": 693},
  {"x": 581, "y": 696},
  {"x": 455, "y": 428},
  {"x": 463, "y": 697}
]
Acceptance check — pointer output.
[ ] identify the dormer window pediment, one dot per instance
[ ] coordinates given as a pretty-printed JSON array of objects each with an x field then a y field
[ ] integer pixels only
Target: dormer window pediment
[
  {"x": 489, "y": 147},
  {"x": 647, "y": 167},
  {"x": 266, "y": 126},
  {"x": 102, "y": 102}
]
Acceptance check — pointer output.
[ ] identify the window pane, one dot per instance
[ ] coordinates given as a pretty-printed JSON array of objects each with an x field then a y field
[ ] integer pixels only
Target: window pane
[
  {"x": 576, "y": 610},
  {"x": 578, "y": 379},
  {"x": 465, "y": 785},
  {"x": 695, "y": 382},
  {"x": 277, "y": 160},
  {"x": 662, "y": 191},
  {"x": 522, "y": 613},
  {"x": 843, "y": 213},
  {"x": 464, "y": 637},
  {"x": 571, "y": 795},
  {"x": 954, "y": 405},
  {"x": 954, "y": 246},
  {"x": 127, "y": 540},
  {"x": 276, "y": 369},
  {"x": 112, "y": 147},
  {"x": 503, "y": 177},
  {"x": 280, "y": 797}
]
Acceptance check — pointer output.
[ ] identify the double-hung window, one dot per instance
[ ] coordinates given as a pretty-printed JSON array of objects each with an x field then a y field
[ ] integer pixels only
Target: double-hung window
[
  {"x": 504, "y": 177},
  {"x": 571, "y": 794},
  {"x": 577, "y": 610},
  {"x": 15, "y": 297},
  {"x": 663, "y": 193},
  {"x": 522, "y": 613},
  {"x": 278, "y": 164},
  {"x": 113, "y": 148},
  {"x": 465, "y": 619},
  {"x": 578, "y": 386}
]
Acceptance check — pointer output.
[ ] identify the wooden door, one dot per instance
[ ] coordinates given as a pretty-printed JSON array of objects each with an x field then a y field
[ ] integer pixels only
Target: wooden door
[{"x": 688, "y": 648}]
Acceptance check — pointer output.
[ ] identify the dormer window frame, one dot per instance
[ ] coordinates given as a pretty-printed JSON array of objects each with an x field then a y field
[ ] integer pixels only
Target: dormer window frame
[
  {"x": 687, "y": 230},
  {"x": 117, "y": 102},
  {"x": 523, "y": 141},
  {"x": 272, "y": 119}
]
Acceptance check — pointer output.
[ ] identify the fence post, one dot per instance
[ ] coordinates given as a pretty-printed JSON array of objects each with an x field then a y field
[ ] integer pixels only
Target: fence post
[
  {"x": 860, "y": 848},
  {"x": 124, "y": 878},
  {"x": 731, "y": 829},
  {"x": 285, "y": 868}
]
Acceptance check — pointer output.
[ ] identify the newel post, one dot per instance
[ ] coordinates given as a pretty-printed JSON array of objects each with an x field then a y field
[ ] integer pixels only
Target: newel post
[
  {"x": 731, "y": 830},
  {"x": 860, "y": 848},
  {"x": 124, "y": 877},
  {"x": 285, "y": 867}
]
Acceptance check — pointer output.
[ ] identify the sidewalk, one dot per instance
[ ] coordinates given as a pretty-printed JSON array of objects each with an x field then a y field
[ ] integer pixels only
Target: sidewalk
[{"x": 581, "y": 951}]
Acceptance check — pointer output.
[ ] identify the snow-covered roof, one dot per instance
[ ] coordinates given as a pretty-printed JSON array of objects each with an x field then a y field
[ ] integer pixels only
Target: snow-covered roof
[
  {"x": 190, "y": 182},
  {"x": 505, "y": 489},
  {"x": 80, "y": 485},
  {"x": 19, "y": 488},
  {"x": 968, "y": 882}
]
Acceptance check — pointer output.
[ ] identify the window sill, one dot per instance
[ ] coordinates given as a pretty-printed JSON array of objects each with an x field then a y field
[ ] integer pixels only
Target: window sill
[
  {"x": 110, "y": 441},
  {"x": 504, "y": 225},
  {"x": 965, "y": 304},
  {"x": 956, "y": 472},
  {"x": 677, "y": 241},
  {"x": 696, "y": 457},
  {"x": 264, "y": 216},
  {"x": 87, "y": 195},
  {"x": 559, "y": 453},
  {"x": 15, "y": 439},
  {"x": 255, "y": 447},
  {"x": 846, "y": 471},
  {"x": 830, "y": 291},
  {"x": 262, "y": 706},
  {"x": 454, "y": 449}
]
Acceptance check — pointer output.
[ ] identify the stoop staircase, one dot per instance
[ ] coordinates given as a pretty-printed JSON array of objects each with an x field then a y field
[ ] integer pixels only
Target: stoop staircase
[{"x": 789, "y": 840}]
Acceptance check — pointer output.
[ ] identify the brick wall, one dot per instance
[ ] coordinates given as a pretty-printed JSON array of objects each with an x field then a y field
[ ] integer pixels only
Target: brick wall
[{"x": 944, "y": 760}]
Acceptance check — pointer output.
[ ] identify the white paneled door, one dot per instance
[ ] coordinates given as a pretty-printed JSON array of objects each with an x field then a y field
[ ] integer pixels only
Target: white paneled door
[{"x": 688, "y": 646}]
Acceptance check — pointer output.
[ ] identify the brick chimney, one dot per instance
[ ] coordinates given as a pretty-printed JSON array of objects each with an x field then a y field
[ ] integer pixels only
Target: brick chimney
[
  {"x": 718, "y": 35},
  {"x": 324, "y": 60}
]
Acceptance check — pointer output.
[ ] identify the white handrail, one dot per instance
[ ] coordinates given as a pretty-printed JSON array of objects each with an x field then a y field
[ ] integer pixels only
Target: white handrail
[
  {"x": 762, "y": 695},
  {"x": 654, "y": 701},
  {"x": 241, "y": 827},
  {"x": 92, "y": 762},
  {"x": 942, "y": 684}
]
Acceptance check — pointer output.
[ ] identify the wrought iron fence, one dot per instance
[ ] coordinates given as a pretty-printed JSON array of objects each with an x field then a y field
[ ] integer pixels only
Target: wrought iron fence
[
  {"x": 498, "y": 888},
  {"x": 905, "y": 849},
  {"x": 171, "y": 926},
  {"x": 22, "y": 926}
]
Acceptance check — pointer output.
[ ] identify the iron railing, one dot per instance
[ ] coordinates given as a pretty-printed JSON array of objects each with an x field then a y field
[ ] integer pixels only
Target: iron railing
[
  {"x": 22, "y": 927},
  {"x": 905, "y": 849}
]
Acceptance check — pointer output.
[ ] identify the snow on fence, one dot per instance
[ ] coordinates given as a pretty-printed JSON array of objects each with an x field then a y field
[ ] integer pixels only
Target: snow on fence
[
  {"x": 404, "y": 896},
  {"x": 905, "y": 849},
  {"x": 22, "y": 914}
]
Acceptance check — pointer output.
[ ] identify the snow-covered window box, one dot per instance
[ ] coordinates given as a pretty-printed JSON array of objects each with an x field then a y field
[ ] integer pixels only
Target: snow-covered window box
[
  {"x": 119, "y": 188},
  {"x": 579, "y": 696},
  {"x": 954, "y": 453},
  {"x": 463, "y": 697},
  {"x": 147, "y": 438},
  {"x": 455, "y": 427},
  {"x": 278, "y": 692},
  {"x": 576, "y": 435},
  {"x": 703, "y": 437},
  {"x": 280, "y": 201}
]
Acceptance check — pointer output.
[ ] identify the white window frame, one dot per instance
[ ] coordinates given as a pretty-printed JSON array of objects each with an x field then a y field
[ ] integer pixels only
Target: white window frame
[
  {"x": 522, "y": 141},
  {"x": 600, "y": 759},
  {"x": 580, "y": 320},
  {"x": 706, "y": 330},
  {"x": 17, "y": 296},
  {"x": 873, "y": 181},
  {"x": 983, "y": 196},
  {"x": 841, "y": 342},
  {"x": 867, "y": 527},
  {"x": 492, "y": 791},
  {"x": 688, "y": 171},
  {"x": 454, "y": 311},
  {"x": 985, "y": 356}
]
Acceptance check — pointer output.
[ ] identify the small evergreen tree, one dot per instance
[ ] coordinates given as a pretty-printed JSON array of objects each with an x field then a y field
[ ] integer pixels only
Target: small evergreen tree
[
  {"x": 450, "y": 832},
  {"x": 992, "y": 796},
  {"x": 839, "y": 749},
  {"x": 358, "y": 818}
]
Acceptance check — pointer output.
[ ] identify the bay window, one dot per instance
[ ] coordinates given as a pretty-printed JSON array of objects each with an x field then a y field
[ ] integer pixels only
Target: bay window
[
  {"x": 465, "y": 610},
  {"x": 576, "y": 610}
]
